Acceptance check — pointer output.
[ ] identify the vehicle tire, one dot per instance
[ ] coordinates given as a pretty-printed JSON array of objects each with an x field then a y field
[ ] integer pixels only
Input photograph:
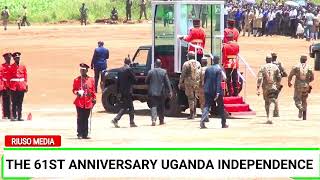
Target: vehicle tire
[
  {"x": 317, "y": 61},
  {"x": 172, "y": 106},
  {"x": 109, "y": 99}
]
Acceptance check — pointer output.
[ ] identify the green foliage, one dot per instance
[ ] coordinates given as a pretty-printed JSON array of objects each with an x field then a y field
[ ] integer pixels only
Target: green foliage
[{"x": 61, "y": 10}]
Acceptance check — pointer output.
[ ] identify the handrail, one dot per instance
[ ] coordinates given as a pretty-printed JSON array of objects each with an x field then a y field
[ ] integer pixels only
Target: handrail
[
  {"x": 248, "y": 66},
  {"x": 240, "y": 57}
]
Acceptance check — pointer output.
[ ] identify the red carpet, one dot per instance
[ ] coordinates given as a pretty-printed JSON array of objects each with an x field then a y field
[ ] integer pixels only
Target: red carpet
[{"x": 237, "y": 106}]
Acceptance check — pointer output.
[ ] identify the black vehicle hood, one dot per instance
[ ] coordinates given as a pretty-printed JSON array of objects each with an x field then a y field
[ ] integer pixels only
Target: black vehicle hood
[{"x": 113, "y": 70}]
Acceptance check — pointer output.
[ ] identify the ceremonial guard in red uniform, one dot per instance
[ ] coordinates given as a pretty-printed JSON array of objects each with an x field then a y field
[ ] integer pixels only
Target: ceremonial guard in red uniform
[
  {"x": 84, "y": 88},
  {"x": 230, "y": 51},
  {"x": 196, "y": 36},
  {"x": 231, "y": 30},
  {"x": 18, "y": 86},
  {"x": 4, "y": 85}
]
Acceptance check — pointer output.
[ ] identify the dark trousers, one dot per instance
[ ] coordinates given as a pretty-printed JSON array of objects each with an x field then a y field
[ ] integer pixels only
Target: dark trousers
[
  {"x": 17, "y": 100},
  {"x": 204, "y": 20},
  {"x": 209, "y": 101},
  {"x": 238, "y": 26},
  {"x": 6, "y": 104},
  {"x": 83, "y": 20},
  {"x": 128, "y": 13},
  {"x": 157, "y": 108},
  {"x": 126, "y": 106},
  {"x": 293, "y": 27},
  {"x": 199, "y": 57},
  {"x": 143, "y": 11},
  {"x": 25, "y": 21},
  {"x": 97, "y": 74},
  {"x": 232, "y": 79},
  {"x": 82, "y": 121}
]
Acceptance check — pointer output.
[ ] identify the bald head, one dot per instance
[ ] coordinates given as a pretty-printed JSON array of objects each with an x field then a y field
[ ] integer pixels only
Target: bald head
[{"x": 157, "y": 63}]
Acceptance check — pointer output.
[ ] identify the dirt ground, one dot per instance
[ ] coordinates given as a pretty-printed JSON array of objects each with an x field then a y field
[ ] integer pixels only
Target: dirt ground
[{"x": 52, "y": 54}]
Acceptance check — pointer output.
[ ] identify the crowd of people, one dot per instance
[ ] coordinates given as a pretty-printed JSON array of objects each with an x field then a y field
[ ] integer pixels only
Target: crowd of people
[
  {"x": 275, "y": 19},
  {"x": 21, "y": 21}
]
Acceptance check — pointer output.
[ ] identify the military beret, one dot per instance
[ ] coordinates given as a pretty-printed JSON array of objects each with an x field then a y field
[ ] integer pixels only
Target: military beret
[
  {"x": 6, "y": 54},
  {"x": 273, "y": 54},
  {"x": 84, "y": 66},
  {"x": 16, "y": 54}
]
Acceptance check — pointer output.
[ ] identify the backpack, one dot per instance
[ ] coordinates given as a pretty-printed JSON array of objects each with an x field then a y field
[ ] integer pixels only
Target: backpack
[{"x": 5, "y": 14}]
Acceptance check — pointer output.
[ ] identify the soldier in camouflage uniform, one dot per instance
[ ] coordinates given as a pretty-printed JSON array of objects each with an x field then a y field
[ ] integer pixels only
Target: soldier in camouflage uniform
[
  {"x": 204, "y": 64},
  {"x": 283, "y": 74},
  {"x": 304, "y": 75},
  {"x": 189, "y": 80},
  {"x": 269, "y": 76},
  {"x": 83, "y": 14}
]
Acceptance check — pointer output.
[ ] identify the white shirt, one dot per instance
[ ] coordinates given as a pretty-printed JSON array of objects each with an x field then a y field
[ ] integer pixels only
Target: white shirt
[
  {"x": 300, "y": 29},
  {"x": 293, "y": 14},
  {"x": 309, "y": 17}
]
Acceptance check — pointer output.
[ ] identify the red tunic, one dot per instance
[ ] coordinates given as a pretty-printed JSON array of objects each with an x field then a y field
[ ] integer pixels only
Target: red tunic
[
  {"x": 18, "y": 77},
  {"x": 87, "y": 85},
  {"x": 230, "y": 53},
  {"x": 2, "y": 83},
  {"x": 197, "y": 36},
  {"x": 5, "y": 75},
  {"x": 233, "y": 31}
]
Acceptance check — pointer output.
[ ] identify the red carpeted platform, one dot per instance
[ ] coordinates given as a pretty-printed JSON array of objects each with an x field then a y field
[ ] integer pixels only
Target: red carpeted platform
[{"x": 236, "y": 106}]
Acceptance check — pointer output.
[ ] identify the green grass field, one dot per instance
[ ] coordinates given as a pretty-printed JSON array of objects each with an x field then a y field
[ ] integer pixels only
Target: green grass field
[
  {"x": 61, "y": 10},
  {"x": 49, "y": 11}
]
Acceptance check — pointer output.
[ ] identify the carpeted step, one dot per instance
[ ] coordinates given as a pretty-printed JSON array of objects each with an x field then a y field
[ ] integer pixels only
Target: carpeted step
[
  {"x": 233, "y": 100},
  {"x": 237, "y": 107}
]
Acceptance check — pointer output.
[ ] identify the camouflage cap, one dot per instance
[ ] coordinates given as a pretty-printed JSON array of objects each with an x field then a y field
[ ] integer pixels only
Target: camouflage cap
[{"x": 304, "y": 57}]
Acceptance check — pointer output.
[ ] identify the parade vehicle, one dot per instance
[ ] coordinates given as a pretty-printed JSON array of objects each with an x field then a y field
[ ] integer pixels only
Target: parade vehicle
[
  {"x": 314, "y": 52},
  {"x": 172, "y": 51}
]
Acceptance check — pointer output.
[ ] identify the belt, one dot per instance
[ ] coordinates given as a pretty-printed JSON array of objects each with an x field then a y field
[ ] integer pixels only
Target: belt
[
  {"x": 231, "y": 56},
  {"x": 17, "y": 79}
]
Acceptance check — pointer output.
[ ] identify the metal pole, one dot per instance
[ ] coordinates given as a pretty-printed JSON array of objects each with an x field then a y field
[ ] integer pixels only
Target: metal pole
[{"x": 211, "y": 32}]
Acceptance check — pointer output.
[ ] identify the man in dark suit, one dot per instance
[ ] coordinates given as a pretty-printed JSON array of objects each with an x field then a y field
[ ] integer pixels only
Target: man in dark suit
[
  {"x": 213, "y": 93},
  {"x": 126, "y": 79},
  {"x": 159, "y": 83},
  {"x": 99, "y": 62}
]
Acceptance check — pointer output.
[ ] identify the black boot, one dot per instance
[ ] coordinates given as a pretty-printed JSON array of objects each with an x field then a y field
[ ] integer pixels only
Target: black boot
[
  {"x": 300, "y": 113},
  {"x": 304, "y": 115},
  {"x": 115, "y": 123},
  {"x": 132, "y": 124}
]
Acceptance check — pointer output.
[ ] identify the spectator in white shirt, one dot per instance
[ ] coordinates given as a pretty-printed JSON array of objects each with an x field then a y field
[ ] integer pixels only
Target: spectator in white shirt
[
  {"x": 293, "y": 21},
  {"x": 309, "y": 23}
]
